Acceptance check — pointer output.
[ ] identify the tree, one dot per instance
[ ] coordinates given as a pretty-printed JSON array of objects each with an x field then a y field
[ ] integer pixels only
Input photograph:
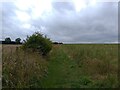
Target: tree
[
  {"x": 37, "y": 42},
  {"x": 17, "y": 40},
  {"x": 7, "y": 40}
]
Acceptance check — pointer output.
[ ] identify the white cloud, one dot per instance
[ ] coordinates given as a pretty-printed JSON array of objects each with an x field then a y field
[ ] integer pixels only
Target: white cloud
[
  {"x": 23, "y": 16},
  {"x": 27, "y": 26},
  {"x": 95, "y": 22}
]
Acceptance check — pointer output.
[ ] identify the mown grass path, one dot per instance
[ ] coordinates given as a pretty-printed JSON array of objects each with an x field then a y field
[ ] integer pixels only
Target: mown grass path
[{"x": 62, "y": 71}]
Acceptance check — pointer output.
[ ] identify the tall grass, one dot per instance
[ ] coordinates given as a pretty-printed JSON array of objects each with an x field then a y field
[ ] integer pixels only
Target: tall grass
[
  {"x": 22, "y": 69},
  {"x": 82, "y": 66},
  {"x": 99, "y": 62},
  {"x": 67, "y": 66}
]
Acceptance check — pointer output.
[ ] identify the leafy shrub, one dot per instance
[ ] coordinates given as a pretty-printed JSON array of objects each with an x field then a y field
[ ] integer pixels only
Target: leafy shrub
[{"x": 37, "y": 42}]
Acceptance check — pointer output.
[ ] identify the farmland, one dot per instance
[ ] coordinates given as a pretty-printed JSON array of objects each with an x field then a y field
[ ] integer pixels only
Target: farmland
[{"x": 66, "y": 66}]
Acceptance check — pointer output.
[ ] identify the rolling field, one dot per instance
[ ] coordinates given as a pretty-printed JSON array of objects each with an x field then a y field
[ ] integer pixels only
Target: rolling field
[{"x": 66, "y": 66}]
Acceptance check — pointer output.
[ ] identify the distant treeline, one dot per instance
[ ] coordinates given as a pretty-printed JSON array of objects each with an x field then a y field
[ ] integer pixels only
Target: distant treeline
[
  {"x": 57, "y": 43},
  {"x": 9, "y": 41},
  {"x": 12, "y": 42},
  {"x": 18, "y": 41}
]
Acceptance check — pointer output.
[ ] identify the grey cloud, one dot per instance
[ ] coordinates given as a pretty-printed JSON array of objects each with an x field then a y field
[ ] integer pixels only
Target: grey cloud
[
  {"x": 64, "y": 24},
  {"x": 62, "y": 7},
  {"x": 100, "y": 25},
  {"x": 11, "y": 26},
  {"x": 9, "y": 23}
]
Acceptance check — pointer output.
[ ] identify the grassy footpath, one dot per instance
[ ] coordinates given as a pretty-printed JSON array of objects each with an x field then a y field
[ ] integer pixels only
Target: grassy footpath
[{"x": 62, "y": 71}]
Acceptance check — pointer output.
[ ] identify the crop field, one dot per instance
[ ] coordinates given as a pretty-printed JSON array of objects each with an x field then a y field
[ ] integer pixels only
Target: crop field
[{"x": 66, "y": 66}]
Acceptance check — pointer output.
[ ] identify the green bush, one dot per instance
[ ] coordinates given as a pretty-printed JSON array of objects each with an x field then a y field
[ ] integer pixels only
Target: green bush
[{"x": 37, "y": 42}]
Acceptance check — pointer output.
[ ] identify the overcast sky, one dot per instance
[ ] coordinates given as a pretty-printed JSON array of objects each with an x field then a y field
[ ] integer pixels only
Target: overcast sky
[{"x": 68, "y": 22}]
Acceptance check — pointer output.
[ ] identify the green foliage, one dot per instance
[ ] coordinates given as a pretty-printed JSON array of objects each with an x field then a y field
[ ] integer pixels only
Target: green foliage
[
  {"x": 7, "y": 40},
  {"x": 17, "y": 40},
  {"x": 84, "y": 80},
  {"x": 37, "y": 42}
]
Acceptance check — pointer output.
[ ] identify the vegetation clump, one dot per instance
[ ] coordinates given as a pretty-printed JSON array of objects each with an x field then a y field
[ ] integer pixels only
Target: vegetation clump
[
  {"x": 38, "y": 42},
  {"x": 7, "y": 40},
  {"x": 17, "y": 40}
]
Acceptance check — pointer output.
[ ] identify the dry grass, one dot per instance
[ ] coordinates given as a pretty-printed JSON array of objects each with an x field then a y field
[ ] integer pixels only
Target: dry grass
[
  {"x": 22, "y": 68},
  {"x": 99, "y": 62},
  {"x": 74, "y": 66}
]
